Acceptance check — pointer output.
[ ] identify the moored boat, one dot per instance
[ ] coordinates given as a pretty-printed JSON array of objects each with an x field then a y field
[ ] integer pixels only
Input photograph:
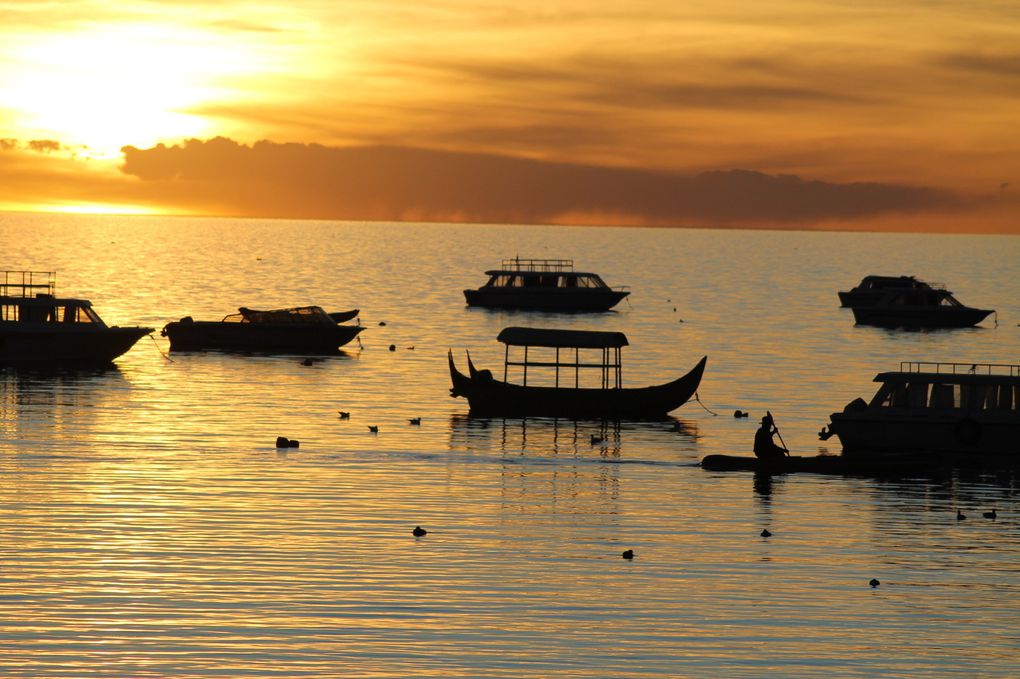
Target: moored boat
[
  {"x": 933, "y": 408},
  {"x": 306, "y": 329},
  {"x": 38, "y": 327},
  {"x": 932, "y": 308},
  {"x": 488, "y": 396},
  {"x": 544, "y": 284}
]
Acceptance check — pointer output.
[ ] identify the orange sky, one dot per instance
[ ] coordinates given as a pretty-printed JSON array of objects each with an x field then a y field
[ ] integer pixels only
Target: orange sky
[{"x": 796, "y": 113}]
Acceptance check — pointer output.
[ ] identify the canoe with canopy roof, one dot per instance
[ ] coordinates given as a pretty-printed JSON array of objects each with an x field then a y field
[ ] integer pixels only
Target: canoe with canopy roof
[{"x": 566, "y": 397}]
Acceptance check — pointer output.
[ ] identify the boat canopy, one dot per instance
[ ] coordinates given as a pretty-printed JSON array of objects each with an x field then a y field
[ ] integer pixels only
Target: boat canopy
[
  {"x": 302, "y": 314},
  {"x": 561, "y": 339}
]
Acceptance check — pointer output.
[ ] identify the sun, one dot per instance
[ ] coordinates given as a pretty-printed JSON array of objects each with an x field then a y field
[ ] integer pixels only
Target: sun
[{"x": 104, "y": 87}]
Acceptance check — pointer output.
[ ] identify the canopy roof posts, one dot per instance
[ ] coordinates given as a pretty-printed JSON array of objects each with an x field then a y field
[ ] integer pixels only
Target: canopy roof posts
[{"x": 608, "y": 344}]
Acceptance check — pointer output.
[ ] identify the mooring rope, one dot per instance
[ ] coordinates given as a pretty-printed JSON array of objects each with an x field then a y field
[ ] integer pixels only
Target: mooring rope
[
  {"x": 703, "y": 405},
  {"x": 161, "y": 352}
]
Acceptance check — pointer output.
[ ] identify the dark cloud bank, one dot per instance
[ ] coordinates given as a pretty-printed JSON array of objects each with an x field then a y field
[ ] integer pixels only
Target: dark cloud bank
[{"x": 399, "y": 183}]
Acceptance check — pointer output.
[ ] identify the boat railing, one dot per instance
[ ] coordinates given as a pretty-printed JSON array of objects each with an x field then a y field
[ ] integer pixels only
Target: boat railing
[
  {"x": 28, "y": 283},
  {"x": 960, "y": 368},
  {"x": 518, "y": 264}
]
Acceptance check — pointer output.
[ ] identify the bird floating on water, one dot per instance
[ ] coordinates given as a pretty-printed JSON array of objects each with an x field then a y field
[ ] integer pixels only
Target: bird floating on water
[
  {"x": 874, "y": 582},
  {"x": 765, "y": 533},
  {"x": 414, "y": 420},
  {"x": 628, "y": 554},
  {"x": 373, "y": 428},
  {"x": 990, "y": 515},
  {"x": 960, "y": 516},
  {"x": 344, "y": 415},
  {"x": 740, "y": 413},
  {"x": 307, "y": 361},
  {"x": 419, "y": 532}
]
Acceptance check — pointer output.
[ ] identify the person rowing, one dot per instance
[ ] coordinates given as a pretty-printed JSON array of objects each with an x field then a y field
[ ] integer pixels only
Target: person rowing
[{"x": 764, "y": 447}]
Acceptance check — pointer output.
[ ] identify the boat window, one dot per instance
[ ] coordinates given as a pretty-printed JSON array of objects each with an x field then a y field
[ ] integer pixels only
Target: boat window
[
  {"x": 917, "y": 394},
  {"x": 585, "y": 282},
  {"x": 942, "y": 396},
  {"x": 8, "y": 312},
  {"x": 597, "y": 282},
  {"x": 548, "y": 281},
  {"x": 1003, "y": 397},
  {"x": 949, "y": 300},
  {"x": 891, "y": 395}
]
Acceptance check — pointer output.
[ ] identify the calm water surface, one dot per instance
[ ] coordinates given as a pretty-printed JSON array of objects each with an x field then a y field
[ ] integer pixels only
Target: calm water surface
[{"x": 149, "y": 527}]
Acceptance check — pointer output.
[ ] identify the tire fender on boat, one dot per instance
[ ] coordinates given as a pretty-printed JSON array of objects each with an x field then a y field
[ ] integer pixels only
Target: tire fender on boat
[{"x": 968, "y": 431}]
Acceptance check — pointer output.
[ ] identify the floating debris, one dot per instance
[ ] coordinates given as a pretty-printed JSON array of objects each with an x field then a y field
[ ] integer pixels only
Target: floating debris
[{"x": 419, "y": 532}]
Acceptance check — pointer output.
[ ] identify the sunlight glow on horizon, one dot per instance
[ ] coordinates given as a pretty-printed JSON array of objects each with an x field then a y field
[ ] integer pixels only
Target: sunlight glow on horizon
[{"x": 112, "y": 85}]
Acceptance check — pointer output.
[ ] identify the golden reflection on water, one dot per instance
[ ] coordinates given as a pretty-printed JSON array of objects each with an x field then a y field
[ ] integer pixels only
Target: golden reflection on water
[{"x": 149, "y": 527}]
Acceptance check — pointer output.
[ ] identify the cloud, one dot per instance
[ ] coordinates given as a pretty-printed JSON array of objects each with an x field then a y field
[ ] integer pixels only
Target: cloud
[
  {"x": 44, "y": 145},
  {"x": 270, "y": 179}
]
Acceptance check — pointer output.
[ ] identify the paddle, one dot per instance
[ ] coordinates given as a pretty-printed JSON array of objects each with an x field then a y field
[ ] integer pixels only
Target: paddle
[{"x": 777, "y": 432}]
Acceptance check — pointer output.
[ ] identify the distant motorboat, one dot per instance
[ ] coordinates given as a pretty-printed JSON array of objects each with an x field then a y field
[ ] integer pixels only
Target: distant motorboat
[
  {"x": 489, "y": 397},
  {"x": 931, "y": 408},
  {"x": 544, "y": 284},
  {"x": 307, "y": 329},
  {"x": 873, "y": 288},
  {"x": 37, "y": 327},
  {"x": 919, "y": 308}
]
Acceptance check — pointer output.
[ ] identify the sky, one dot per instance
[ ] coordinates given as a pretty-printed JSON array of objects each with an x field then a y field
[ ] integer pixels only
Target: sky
[{"x": 772, "y": 113}]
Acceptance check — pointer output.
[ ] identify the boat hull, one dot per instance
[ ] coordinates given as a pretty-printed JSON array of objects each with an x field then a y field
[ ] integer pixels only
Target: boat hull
[
  {"x": 549, "y": 299},
  {"x": 75, "y": 344},
  {"x": 267, "y": 337},
  {"x": 902, "y": 316},
  {"x": 978, "y": 433},
  {"x": 822, "y": 464},
  {"x": 489, "y": 397}
]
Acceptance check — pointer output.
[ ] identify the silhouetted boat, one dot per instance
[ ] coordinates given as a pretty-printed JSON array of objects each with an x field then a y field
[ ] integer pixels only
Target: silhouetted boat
[
  {"x": 37, "y": 326},
  {"x": 306, "y": 329},
  {"x": 488, "y": 396},
  {"x": 936, "y": 408},
  {"x": 872, "y": 289},
  {"x": 898, "y": 465},
  {"x": 932, "y": 308},
  {"x": 544, "y": 284}
]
